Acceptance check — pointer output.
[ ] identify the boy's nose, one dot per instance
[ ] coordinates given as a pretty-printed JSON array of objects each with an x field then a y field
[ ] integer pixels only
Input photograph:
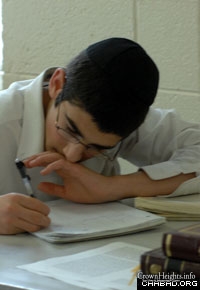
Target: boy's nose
[{"x": 73, "y": 152}]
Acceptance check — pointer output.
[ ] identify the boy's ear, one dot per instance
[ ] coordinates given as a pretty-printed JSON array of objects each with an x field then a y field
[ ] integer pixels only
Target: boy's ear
[{"x": 57, "y": 82}]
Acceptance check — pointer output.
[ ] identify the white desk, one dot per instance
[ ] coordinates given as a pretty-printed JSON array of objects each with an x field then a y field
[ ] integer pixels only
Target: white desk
[{"x": 23, "y": 249}]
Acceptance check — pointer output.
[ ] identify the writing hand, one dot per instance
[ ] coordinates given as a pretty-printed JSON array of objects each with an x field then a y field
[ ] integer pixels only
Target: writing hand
[{"x": 20, "y": 213}]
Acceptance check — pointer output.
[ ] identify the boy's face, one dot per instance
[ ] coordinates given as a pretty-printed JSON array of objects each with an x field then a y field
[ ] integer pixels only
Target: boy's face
[{"x": 71, "y": 132}]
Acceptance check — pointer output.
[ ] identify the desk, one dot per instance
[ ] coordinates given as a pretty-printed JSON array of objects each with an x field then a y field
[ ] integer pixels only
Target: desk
[{"x": 24, "y": 248}]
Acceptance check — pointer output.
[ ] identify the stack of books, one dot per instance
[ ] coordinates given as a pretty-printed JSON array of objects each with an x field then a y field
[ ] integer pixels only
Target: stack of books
[{"x": 179, "y": 253}]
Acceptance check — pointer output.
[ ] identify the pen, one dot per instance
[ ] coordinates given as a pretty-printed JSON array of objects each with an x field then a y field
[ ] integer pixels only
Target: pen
[{"x": 25, "y": 178}]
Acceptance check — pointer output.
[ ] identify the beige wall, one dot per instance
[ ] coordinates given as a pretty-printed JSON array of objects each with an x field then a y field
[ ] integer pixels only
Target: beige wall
[{"x": 42, "y": 33}]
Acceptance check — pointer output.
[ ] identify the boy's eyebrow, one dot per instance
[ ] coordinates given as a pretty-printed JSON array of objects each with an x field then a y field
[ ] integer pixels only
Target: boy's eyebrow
[
  {"x": 78, "y": 132},
  {"x": 74, "y": 127},
  {"x": 101, "y": 147}
]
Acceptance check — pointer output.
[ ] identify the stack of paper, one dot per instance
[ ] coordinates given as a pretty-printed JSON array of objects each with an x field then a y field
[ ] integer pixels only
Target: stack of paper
[
  {"x": 76, "y": 222},
  {"x": 173, "y": 208}
]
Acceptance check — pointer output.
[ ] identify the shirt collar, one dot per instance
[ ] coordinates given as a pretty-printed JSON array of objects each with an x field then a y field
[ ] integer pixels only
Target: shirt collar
[{"x": 33, "y": 123}]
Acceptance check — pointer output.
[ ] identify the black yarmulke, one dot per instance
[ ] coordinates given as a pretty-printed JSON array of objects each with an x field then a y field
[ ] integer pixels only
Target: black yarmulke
[{"x": 129, "y": 69}]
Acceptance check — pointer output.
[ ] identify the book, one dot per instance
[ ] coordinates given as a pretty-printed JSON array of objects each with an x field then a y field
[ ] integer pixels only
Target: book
[
  {"x": 155, "y": 262},
  {"x": 185, "y": 207},
  {"x": 72, "y": 222},
  {"x": 183, "y": 244}
]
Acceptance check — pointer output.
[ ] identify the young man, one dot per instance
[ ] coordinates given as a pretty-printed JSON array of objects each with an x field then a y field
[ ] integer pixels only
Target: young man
[{"x": 75, "y": 122}]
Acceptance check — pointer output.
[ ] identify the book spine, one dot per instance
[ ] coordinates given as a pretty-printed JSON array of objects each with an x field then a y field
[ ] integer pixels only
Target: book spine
[
  {"x": 162, "y": 264},
  {"x": 181, "y": 246}
]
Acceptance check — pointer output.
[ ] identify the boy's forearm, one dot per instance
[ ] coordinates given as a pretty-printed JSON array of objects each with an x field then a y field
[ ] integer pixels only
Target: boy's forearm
[{"x": 140, "y": 184}]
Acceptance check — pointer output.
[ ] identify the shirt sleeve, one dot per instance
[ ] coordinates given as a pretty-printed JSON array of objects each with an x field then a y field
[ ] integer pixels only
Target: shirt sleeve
[{"x": 166, "y": 146}]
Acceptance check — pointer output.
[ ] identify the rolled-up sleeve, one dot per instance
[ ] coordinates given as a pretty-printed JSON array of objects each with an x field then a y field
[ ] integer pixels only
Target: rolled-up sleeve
[{"x": 166, "y": 146}]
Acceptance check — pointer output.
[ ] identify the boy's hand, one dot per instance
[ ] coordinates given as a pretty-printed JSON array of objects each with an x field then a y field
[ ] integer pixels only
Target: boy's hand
[
  {"x": 80, "y": 184},
  {"x": 20, "y": 213},
  {"x": 86, "y": 186}
]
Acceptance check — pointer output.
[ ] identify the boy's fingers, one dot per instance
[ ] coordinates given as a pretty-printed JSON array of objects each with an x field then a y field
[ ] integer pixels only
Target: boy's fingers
[
  {"x": 34, "y": 204},
  {"x": 52, "y": 189},
  {"x": 43, "y": 159}
]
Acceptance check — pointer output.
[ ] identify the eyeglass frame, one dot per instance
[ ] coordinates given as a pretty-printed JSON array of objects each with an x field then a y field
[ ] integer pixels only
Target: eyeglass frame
[{"x": 77, "y": 140}]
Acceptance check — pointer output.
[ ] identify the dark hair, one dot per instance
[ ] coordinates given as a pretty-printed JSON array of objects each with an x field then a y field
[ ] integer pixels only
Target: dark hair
[{"x": 118, "y": 99}]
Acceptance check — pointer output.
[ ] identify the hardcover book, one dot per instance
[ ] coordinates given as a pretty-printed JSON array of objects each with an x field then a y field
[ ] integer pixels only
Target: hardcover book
[
  {"x": 155, "y": 262},
  {"x": 183, "y": 244}
]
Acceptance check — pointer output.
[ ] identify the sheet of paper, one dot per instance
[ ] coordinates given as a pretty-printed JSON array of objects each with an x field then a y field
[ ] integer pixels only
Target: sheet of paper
[
  {"x": 76, "y": 222},
  {"x": 108, "y": 267}
]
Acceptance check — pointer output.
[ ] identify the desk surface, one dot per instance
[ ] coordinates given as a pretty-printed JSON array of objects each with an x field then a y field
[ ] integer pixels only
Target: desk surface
[{"x": 24, "y": 248}]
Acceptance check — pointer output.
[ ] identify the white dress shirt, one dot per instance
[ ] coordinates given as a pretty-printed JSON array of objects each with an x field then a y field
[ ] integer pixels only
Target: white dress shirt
[{"x": 163, "y": 146}]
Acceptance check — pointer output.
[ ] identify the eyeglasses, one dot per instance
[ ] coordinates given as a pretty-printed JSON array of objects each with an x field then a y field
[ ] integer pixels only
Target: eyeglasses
[{"x": 92, "y": 150}]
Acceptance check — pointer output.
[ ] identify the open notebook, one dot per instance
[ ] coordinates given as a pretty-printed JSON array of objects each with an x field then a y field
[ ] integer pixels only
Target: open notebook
[
  {"x": 185, "y": 207},
  {"x": 77, "y": 222}
]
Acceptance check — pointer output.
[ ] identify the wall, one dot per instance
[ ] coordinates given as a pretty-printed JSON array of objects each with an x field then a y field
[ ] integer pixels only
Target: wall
[{"x": 38, "y": 34}]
